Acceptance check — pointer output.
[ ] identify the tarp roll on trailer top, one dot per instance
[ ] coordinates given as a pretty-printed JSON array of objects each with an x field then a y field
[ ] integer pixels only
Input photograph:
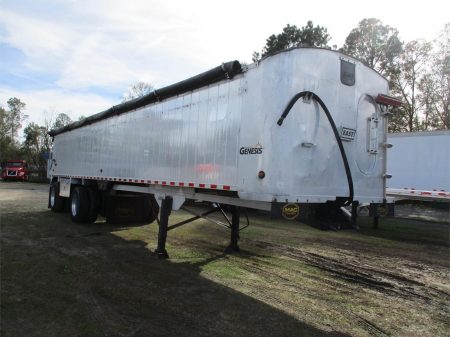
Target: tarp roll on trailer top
[{"x": 225, "y": 71}]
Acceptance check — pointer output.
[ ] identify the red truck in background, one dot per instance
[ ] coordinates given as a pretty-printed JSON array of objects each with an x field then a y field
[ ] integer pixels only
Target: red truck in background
[{"x": 15, "y": 170}]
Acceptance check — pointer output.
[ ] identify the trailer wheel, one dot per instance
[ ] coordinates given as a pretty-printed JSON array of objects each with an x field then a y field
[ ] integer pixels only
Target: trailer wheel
[
  {"x": 94, "y": 204},
  {"x": 131, "y": 209},
  {"x": 79, "y": 205},
  {"x": 55, "y": 202}
]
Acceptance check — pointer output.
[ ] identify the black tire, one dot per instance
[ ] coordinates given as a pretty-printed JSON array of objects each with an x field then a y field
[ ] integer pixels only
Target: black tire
[
  {"x": 94, "y": 204},
  {"x": 120, "y": 209},
  {"x": 131, "y": 209},
  {"x": 79, "y": 205},
  {"x": 55, "y": 202}
]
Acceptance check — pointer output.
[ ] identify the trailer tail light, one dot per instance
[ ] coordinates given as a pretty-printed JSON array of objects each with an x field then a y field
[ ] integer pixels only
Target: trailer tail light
[{"x": 388, "y": 100}]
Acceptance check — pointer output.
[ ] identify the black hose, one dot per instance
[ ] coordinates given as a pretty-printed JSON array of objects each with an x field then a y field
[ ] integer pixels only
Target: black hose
[{"x": 335, "y": 131}]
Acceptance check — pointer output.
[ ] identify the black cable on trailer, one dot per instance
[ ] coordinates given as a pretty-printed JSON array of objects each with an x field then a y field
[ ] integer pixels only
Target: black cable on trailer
[{"x": 312, "y": 95}]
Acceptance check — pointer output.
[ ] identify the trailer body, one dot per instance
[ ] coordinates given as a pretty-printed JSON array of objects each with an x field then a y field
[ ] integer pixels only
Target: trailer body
[
  {"x": 420, "y": 165},
  {"x": 223, "y": 135}
]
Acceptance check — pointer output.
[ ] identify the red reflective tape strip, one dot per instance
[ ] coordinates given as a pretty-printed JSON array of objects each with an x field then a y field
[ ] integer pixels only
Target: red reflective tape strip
[
  {"x": 425, "y": 193},
  {"x": 183, "y": 184}
]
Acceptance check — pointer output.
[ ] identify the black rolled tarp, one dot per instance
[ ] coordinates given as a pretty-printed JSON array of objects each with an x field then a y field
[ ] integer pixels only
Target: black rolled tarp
[{"x": 225, "y": 71}]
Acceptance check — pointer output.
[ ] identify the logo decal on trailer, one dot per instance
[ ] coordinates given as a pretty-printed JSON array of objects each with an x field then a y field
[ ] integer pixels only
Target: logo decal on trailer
[
  {"x": 290, "y": 211},
  {"x": 257, "y": 149},
  {"x": 347, "y": 133}
]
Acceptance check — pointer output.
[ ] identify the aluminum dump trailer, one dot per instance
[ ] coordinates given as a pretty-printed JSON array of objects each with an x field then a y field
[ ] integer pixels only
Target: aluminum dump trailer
[
  {"x": 420, "y": 165},
  {"x": 305, "y": 126}
]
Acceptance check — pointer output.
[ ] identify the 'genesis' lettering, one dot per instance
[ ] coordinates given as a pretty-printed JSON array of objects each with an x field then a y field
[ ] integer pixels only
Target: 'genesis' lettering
[
  {"x": 257, "y": 149},
  {"x": 250, "y": 150}
]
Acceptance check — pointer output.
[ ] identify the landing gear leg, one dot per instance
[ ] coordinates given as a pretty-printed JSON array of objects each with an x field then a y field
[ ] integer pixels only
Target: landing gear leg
[
  {"x": 355, "y": 205},
  {"x": 166, "y": 209},
  {"x": 375, "y": 221},
  {"x": 234, "y": 247}
]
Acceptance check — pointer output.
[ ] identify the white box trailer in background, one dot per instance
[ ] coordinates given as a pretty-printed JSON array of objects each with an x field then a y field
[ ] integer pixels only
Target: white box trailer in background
[
  {"x": 302, "y": 127},
  {"x": 420, "y": 165}
]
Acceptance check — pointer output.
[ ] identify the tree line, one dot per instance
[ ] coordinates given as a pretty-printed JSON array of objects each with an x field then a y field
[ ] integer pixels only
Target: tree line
[
  {"x": 418, "y": 71},
  {"x": 36, "y": 143}
]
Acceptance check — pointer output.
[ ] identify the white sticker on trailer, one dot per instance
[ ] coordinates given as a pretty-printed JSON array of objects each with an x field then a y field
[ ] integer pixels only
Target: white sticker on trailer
[
  {"x": 64, "y": 187},
  {"x": 347, "y": 133}
]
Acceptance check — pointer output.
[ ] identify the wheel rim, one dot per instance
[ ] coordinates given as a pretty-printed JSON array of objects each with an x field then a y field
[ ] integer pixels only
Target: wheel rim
[
  {"x": 74, "y": 204},
  {"x": 52, "y": 197}
]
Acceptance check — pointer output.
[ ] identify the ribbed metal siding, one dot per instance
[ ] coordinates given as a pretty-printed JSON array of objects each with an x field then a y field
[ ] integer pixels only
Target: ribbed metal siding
[{"x": 190, "y": 138}]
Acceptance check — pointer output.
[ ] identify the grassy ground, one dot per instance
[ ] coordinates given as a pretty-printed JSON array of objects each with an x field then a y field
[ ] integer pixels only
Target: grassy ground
[{"x": 62, "y": 279}]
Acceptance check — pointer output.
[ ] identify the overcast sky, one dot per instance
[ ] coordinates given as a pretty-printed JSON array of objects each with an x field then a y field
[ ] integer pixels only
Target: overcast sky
[{"x": 78, "y": 57}]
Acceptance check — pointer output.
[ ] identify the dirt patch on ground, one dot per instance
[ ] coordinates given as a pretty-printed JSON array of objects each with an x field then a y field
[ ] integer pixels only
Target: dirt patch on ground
[{"x": 62, "y": 279}]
